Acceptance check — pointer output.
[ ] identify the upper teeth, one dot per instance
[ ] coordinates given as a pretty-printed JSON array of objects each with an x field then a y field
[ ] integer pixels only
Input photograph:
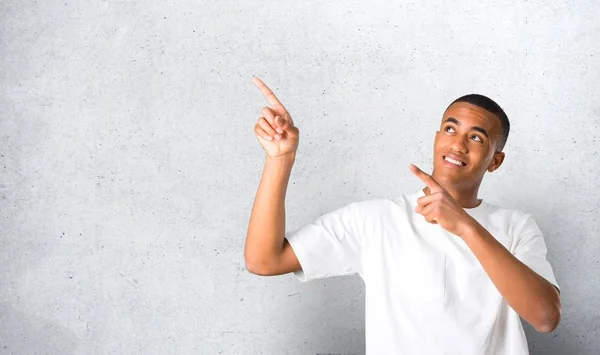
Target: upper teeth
[{"x": 454, "y": 161}]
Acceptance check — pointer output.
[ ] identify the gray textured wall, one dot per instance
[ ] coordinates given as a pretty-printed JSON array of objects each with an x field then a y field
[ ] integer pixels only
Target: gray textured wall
[{"x": 128, "y": 162}]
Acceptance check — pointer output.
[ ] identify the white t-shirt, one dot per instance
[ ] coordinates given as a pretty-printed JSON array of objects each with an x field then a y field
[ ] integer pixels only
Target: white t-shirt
[{"x": 425, "y": 291}]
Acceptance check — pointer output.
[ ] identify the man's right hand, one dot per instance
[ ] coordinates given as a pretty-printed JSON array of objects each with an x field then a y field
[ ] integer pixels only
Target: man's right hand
[{"x": 275, "y": 129}]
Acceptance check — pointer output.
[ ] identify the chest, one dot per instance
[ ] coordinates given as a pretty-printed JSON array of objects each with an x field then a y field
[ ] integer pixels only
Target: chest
[{"x": 421, "y": 263}]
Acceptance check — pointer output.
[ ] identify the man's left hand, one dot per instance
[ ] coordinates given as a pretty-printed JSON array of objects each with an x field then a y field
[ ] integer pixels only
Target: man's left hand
[{"x": 439, "y": 207}]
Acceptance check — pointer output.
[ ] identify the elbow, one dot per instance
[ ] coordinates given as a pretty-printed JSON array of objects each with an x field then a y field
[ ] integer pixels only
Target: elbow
[
  {"x": 261, "y": 260},
  {"x": 547, "y": 327},
  {"x": 257, "y": 268},
  {"x": 551, "y": 321},
  {"x": 256, "y": 265}
]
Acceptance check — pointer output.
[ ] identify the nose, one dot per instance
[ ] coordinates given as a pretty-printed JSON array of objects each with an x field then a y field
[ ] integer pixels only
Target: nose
[{"x": 459, "y": 144}]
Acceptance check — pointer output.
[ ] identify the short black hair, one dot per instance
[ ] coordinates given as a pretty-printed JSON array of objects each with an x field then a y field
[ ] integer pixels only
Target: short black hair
[{"x": 491, "y": 106}]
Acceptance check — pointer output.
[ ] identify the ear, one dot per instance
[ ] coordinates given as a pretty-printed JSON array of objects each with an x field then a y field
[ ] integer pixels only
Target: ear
[{"x": 496, "y": 161}]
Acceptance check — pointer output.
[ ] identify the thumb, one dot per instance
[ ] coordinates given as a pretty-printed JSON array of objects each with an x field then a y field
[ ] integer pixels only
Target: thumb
[
  {"x": 279, "y": 121},
  {"x": 282, "y": 124},
  {"x": 286, "y": 126}
]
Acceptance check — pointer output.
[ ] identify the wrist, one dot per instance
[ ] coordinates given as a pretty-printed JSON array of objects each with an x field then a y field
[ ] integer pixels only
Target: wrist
[
  {"x": 469, "y": 229},
  {"x": 281, "y": 165},
  {"x": 291, "y": 156}
]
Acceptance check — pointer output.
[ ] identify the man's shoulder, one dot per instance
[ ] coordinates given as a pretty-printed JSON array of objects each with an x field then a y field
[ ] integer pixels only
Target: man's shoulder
[{"x": 511, "y": 215}]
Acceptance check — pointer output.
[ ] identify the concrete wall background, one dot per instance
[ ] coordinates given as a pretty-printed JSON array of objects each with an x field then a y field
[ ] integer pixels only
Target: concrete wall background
[{"x": 128, "y": 162}]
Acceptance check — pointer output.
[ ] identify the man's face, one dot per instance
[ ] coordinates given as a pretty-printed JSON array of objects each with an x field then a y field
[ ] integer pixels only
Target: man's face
[{"x": 468, "y": 134}]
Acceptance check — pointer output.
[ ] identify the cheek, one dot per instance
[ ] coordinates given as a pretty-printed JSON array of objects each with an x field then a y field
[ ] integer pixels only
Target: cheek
[
  {"x": 441, "y": 141},
  {"x": 482, "y": 160}
]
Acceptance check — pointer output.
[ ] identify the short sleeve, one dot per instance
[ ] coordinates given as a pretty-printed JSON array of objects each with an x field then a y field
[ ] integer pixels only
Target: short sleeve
[
  {"x": 329, "y": 246},
  {"x": 531, "y": 250}
]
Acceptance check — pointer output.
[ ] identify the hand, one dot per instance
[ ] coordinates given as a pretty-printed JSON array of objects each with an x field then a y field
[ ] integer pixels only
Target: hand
[
  {"x": 275, "y": 129},
  {"x": 439, "y": 207}
]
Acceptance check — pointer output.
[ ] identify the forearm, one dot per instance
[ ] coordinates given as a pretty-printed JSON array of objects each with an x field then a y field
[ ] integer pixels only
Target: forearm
[
  {"x": 266, "y": 229},
  {"x": 530, "y": 295}
]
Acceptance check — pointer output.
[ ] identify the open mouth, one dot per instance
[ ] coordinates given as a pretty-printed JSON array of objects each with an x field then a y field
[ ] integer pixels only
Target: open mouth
[{"x": 454, "y": 161}]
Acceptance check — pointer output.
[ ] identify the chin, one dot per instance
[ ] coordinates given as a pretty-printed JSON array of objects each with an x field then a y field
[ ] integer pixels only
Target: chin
[{"x": 452, "y": 178}]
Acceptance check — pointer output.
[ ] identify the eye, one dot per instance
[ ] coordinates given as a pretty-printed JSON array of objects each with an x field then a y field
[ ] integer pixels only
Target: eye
[
  {"x": 477, "y": 138},
  {"x": 447, "y": 128}
]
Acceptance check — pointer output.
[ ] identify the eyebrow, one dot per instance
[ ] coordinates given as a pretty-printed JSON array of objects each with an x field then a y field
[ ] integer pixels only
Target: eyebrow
[{"x": 475, "y": 128}]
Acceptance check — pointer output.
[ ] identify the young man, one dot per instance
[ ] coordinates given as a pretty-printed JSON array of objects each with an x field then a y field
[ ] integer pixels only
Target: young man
[{"x": 445, "y": 272}]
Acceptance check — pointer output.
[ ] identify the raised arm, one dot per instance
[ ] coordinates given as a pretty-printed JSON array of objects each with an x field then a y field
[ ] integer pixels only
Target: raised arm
[{"x": 267, "y": 252}]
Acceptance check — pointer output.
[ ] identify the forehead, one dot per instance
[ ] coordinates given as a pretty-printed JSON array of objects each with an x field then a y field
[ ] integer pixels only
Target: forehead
[{"x": 471, "y": 115}]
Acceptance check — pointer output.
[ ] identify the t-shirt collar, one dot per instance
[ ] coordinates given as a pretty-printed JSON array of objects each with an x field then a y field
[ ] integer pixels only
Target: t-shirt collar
[{"x": 477, "y": 209}]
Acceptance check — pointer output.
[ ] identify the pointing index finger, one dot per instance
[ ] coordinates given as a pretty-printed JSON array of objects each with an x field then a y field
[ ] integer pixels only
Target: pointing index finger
[
  {"x": 426, "y": 178},
  {"x": 267, "y": 92}
]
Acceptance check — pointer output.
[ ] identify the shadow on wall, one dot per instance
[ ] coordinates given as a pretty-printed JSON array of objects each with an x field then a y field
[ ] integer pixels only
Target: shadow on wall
[
  {"x": 565, "y": 340},
  {"x": 339, "y": 323},
  {"x": 579, "y": 328},
  {"x": 22, "y": 333}
]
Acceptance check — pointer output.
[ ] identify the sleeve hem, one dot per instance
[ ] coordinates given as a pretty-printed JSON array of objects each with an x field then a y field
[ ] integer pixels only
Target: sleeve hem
[{"x": 301, "y": 256}]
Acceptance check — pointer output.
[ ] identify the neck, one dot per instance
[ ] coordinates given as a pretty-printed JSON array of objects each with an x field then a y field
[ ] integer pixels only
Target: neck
[{"x": 466, "y": 197}]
